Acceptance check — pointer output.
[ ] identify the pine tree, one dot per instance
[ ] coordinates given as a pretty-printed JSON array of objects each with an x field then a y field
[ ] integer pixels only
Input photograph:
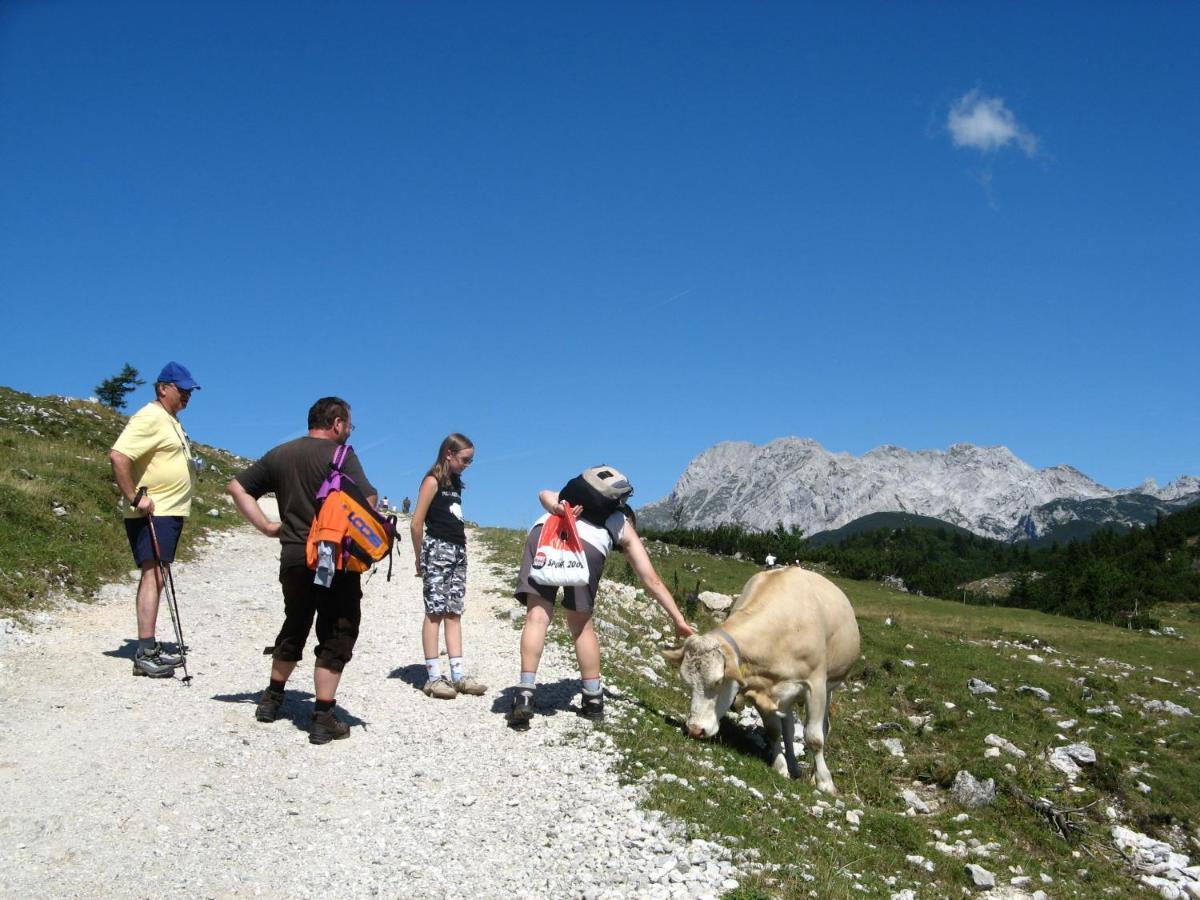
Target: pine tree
[{"x": 112, "y": 391}]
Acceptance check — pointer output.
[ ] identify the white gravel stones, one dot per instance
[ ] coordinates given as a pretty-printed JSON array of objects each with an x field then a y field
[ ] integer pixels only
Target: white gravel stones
[{"x": 108, "y": 779}]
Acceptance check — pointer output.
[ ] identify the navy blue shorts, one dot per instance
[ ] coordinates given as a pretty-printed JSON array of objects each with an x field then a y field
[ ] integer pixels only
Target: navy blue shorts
[{"x": 168, "y": 529}]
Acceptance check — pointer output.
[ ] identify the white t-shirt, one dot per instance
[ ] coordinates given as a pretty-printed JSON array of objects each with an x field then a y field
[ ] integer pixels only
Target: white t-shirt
[{"x": 600, "y": 538}]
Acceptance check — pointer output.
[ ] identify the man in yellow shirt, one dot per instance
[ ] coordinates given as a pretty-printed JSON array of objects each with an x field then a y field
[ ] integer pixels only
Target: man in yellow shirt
[{"x": 153, "y": 453}]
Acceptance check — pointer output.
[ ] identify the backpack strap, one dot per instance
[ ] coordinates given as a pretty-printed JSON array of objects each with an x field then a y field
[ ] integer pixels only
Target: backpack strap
[{"x": 333, "y": 481}]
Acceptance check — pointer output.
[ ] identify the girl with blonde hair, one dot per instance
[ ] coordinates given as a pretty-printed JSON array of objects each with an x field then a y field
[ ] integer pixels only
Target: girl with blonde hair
[{"x": 440, "y": 544}]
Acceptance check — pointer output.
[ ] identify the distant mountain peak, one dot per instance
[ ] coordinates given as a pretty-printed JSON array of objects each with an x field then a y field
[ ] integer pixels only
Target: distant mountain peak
[{"x": 796, "y": 481}]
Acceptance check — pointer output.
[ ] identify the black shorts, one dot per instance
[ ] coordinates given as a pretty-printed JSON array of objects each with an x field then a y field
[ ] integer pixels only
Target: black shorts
[
  {"x": 576, "y": 599},
  {"x": 337, "y": 608},
  {"x": 167, "y": 529}
]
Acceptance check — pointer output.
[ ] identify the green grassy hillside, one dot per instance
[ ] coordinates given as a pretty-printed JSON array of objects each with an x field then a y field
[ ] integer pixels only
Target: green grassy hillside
[
  {"x": 910, "y": 689},
  {"x": 60, "y": 518}
]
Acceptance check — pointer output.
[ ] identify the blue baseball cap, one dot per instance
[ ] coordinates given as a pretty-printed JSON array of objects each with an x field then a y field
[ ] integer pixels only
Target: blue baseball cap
[{"x": 178, "y": 375}]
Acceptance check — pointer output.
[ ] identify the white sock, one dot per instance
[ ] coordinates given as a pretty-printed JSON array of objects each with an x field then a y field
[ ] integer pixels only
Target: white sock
[
  {"x": 457, "y": 668},
  {"x": 433, "y": 668}
]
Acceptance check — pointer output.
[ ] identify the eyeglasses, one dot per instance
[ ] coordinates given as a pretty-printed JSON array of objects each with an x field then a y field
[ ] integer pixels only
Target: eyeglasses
[
  {"x": 349, "y": 426},
  {"x": 182, "y": 390}
]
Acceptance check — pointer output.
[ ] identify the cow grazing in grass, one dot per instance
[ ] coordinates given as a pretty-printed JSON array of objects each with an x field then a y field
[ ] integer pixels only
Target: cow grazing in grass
[{"x": 791, "y": 636}]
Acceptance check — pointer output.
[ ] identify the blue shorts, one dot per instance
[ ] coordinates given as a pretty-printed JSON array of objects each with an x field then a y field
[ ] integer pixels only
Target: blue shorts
[{"x": 168, "y": 529}]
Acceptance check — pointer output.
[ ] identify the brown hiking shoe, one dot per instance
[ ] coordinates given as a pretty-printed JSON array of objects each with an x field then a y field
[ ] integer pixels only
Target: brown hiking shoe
[
  {"x": 268, "y": 706},
  {"x": 327, "y": 727},
  {"x": 469, "y": 684},
  {"x": 440, "y": 688}
]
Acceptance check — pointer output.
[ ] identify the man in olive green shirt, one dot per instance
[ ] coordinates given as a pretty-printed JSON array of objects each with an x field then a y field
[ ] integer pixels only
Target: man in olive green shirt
[{"x": 153, "y": 452}]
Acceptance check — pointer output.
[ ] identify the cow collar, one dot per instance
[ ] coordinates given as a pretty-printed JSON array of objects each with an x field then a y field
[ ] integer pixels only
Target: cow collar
[{"x": 728, "y": 638}]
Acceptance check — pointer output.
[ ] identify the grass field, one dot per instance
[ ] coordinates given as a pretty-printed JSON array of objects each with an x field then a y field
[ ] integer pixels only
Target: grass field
[{"x": 911, "y": 686}]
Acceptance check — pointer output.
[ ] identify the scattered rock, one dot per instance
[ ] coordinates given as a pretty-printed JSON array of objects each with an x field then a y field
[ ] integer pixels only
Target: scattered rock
[
  {"x": 994, "y": 740},
  {"x": 1166, "y": 706},
  {"x": 980, "y": 876},
  {"x": 894, "y": 746},
  {"x": 979, "y": 687},
  {"x": 1038, "y": 692},
  {"x": 1069, "y": 758},
  {"x": 714, "y": 601},
  {"x": 968, "y": 791},
  {"x": 915, "y": 802}
]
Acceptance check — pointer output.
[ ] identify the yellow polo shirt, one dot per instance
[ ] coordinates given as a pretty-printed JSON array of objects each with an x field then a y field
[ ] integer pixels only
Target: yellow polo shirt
[{"x": 162, "y": 460}]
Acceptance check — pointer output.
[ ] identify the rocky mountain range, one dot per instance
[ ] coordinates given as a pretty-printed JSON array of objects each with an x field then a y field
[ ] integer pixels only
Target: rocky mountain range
[{"x": 987, "y": 490}]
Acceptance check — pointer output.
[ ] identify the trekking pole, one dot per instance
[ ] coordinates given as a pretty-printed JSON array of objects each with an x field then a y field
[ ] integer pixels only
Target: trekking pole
[{"x": 164, "y": 572}]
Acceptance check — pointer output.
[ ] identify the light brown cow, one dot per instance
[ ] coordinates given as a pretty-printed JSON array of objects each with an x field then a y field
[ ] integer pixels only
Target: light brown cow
[{"x": 791, "y": 634}]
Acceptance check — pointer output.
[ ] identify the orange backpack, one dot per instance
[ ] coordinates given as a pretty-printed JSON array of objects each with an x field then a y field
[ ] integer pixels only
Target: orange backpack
[{"x": 359, "y": 535}]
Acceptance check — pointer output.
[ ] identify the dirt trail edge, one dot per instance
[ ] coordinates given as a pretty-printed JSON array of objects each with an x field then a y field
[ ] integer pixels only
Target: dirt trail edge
[{"x": 126, "y": 786}]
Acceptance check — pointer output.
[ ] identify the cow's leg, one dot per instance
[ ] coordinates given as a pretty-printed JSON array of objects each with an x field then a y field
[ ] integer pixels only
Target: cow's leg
[
  {"x": 791, "y": 767},
  {"x": 814, "y": 735},
  {"x": 774, "y": 721}
]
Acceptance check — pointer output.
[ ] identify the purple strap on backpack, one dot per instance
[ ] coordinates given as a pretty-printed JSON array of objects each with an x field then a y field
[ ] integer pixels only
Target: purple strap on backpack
[{"x": 333, "y": 481}]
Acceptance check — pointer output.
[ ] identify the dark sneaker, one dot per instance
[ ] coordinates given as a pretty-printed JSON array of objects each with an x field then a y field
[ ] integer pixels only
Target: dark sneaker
[
  {"x": 149, "y": 665},
  {"x": 591, "y": 706},
  {"x": 522, "y": 707},
  {"x": 327, "y": 727},
  {"x": 268, "y": 706}
]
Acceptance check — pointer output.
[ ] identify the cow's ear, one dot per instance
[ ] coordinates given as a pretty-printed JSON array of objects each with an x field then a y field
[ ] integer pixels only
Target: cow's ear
[
  {"x": 732, "y": 669},
  {"x": 674, "y": 656}
]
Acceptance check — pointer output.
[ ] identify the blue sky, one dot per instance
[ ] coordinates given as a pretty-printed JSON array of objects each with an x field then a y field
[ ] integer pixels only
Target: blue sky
[{"x": 619, "y": 233}]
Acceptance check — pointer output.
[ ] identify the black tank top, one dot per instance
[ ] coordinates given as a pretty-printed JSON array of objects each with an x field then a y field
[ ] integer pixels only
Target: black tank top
[{"x": 444, "y": 520}]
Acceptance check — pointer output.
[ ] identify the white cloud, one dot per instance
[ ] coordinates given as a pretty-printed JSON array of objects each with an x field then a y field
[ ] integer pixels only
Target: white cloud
[{"x": 986, "y": 124}]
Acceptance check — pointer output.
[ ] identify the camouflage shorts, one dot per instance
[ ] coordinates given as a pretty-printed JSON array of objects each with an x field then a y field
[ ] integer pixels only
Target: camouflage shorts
[{"x": 445, "y": 568}]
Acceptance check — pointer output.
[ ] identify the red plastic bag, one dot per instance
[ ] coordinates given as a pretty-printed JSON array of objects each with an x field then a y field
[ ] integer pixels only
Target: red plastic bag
[{"x": 559, "y": 560}]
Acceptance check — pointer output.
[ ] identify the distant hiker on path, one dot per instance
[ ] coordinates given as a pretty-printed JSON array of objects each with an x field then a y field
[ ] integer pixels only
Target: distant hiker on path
[
  {"x": 294, "y": 472},
  {"x": 599, "y": 496},
  {"x": 153, "y": 452},
  {"x": 439, "y": 542}
]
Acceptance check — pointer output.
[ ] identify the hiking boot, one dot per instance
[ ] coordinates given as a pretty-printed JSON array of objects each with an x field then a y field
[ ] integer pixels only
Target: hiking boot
[
  {"x": 469, "y": 684},
  {"x": 162, "y": 657},
  {"x": 440, "y": 688},
  {"x": 151, "y": 665},
  {"x": 522, "y": 707},
  {"x": 591, "y": 706},
  {"x": 327, "y": 727},
  {"x": 268, "y": 706}
]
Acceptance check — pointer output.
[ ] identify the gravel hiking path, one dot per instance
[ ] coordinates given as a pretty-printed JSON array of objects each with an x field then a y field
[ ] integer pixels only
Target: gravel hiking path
[{"x": 133, "y": 787}]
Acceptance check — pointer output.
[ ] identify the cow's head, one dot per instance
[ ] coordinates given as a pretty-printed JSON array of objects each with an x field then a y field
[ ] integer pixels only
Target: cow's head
[{"x": 709, "y": 667}]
